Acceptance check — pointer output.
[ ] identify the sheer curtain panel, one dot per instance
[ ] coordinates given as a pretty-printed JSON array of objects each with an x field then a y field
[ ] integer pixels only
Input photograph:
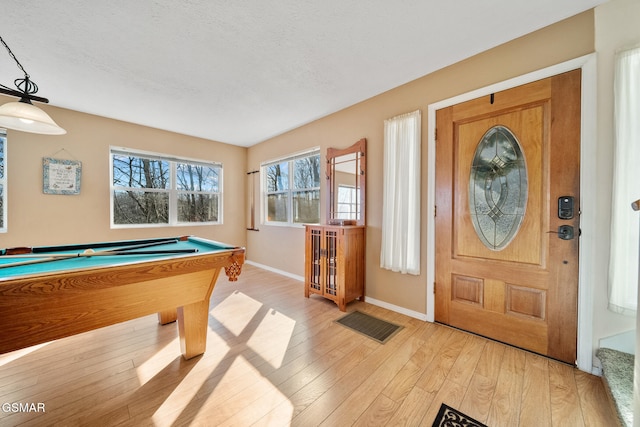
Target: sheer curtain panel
[
  {"x": 623, "y": 260},
  {"x": 400, "y": 250}
]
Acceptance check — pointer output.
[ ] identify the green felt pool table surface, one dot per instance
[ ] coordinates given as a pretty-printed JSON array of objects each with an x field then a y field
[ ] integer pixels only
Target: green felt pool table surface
[{"x": 38, "y": 263}]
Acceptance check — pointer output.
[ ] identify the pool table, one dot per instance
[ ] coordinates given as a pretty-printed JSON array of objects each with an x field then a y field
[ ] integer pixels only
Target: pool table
[{"x": 53, "y": 292}]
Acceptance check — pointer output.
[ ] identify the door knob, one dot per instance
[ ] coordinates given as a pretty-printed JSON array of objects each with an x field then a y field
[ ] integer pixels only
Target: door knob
[{"x": 565, "y": 232}]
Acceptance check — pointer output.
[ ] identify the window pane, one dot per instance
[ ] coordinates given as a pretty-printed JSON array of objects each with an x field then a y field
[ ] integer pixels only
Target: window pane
[
  {"x": 498, "y": 188},
  {"x": 194, "y": 207},
  {"x": 277, "y": 207},
  {"x": 347, "y": 202},
  {"x": 307, "y": 172},
  {"x": 278, "y": 177},
  {"x": 198, "y": 178},
  {"x": 138, "y": 172},
  {"x": 140, "y": 207},
  {"x": 306, "y": 206}
]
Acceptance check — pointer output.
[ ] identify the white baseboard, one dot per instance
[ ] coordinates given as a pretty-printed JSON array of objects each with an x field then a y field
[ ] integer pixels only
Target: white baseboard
[
  {"x": 275, "y": 270},
  {"x": 397, "y": 309}
]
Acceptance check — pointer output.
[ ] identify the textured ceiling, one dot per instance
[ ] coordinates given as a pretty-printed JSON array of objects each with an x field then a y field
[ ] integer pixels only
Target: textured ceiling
[{"x": 241, "y": 72}]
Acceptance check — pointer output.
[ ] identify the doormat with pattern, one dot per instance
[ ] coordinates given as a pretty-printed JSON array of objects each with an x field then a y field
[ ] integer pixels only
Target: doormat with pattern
[
  {"x": 369, "y": 326},
  {"x": 449, "y": 417}
]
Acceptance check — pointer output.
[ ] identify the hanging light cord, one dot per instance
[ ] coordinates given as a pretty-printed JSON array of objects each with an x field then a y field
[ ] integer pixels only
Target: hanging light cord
[{"x": 26, "y": 86}]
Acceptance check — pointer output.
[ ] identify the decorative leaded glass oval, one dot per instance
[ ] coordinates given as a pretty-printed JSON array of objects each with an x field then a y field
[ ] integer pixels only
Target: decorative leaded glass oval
[{"x": 497, "y": 188}]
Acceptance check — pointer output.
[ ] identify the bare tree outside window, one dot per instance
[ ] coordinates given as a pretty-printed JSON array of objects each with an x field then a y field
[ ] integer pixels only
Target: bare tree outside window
[
  {"x": 197, "y": 192},
  {"x": 277, "y": 177},
  {"x": 293, "y": 190},
  {"x": 143, "y": 196},
  {"x": 306, "y": 194},
  {"x": 162, "y": 191}
]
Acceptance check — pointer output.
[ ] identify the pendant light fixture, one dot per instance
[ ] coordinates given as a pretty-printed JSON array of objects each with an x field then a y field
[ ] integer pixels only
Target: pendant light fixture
[{"x": 23, "y": 115}]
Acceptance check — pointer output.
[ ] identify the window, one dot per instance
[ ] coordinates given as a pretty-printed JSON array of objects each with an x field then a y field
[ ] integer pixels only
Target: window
[
  {"x": 3, "y": 183},
  {"x": 625, "y": 230},
  {"x": 292, "y": 188},
  {"x": 348, "y": 197},
  {"x": 149, "y": 189},
  {"x": 400, "y": 248}
]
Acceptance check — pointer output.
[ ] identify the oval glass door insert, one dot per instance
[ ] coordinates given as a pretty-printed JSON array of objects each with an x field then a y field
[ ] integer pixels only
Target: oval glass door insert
[{"x": 497, "y": 188}]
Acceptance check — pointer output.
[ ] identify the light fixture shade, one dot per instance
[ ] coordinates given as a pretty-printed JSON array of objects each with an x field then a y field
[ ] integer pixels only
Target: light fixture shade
[{"x": 27, "y": 117}]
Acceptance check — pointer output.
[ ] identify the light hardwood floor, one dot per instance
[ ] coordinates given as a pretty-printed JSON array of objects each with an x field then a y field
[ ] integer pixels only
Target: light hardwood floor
[{"x": 276, "y": 358}]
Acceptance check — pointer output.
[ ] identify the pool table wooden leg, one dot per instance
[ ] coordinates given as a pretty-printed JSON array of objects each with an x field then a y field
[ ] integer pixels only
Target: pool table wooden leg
[
  {"x": 192, "y": 327},
  {"x": 167, "y": 316}
]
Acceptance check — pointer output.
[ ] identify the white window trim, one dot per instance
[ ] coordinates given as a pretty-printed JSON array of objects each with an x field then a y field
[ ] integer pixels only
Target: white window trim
[
  {"x": 263, "y": 188},
  {"x": 173, "y": 191}
]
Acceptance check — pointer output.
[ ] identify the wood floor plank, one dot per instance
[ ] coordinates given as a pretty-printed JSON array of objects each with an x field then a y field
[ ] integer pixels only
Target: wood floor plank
[
  {"x": 536, "y": 406},
  {"x": 507, "y": 398},
  {"x": 565, "y": 402},
  {"x": 413, "y": 409},
  {"x": 464, "y": 366},
  {"x": 317, "y": 411},
  {"x": 378, "y": 413},
  {"x": 352, "y": 407},
  {"x": 450, "y": 394},
  {"x": 275, "y": 358},
  {"x": 481, "y": 389},
  {"x": 594, "y": 402},
  {"x": 435, "y": 374}
]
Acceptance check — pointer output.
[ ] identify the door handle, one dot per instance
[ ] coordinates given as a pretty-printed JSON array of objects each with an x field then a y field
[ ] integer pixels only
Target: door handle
[{"x": 565, "y": 232}]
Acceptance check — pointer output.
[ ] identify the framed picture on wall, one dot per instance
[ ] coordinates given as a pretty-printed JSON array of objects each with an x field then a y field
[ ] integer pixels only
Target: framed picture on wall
[{"x": 61, "y": 176}]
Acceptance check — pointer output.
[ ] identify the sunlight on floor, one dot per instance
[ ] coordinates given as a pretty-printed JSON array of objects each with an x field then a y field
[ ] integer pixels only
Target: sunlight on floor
[
  {"x": 247, "y": 339},
  {"x": 15, "y": 355},
  {"x": 236, "y": 311},
  {"x": 181, "y": 397},
  {"x": 157, "y": 362},
  {"x": 185, "y": 393},
  {"x": 243, "y": 383},
  {"x": 271, "y": 338}
]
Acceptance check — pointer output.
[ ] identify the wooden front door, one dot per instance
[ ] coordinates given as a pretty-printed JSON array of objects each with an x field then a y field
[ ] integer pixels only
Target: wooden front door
[{"x": 506, "y": 239}]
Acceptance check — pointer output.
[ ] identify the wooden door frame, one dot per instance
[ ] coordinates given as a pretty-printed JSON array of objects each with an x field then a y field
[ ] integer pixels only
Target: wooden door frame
[{"x": 588, "y": 259}]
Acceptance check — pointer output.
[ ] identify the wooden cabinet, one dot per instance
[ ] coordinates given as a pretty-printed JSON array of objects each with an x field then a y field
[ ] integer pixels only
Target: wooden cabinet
[{"x": 334, "y": 262}]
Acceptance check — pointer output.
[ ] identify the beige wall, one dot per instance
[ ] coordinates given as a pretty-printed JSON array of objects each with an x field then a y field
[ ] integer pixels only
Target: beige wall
[
  {"x": 35, "y": 218},
  {"x": 563, "y": 41}
]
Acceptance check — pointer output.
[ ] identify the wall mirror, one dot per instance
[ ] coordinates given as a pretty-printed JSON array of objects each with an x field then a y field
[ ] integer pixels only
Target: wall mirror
[{"x": 346, "y": 178}]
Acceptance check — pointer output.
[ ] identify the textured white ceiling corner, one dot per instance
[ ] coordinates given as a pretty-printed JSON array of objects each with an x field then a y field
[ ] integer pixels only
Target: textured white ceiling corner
[{"x": 244, "y": 71}]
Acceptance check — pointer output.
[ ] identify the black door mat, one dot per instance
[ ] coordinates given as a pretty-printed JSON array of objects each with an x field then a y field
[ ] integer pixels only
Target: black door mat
[
  {"x": 449, "y": 417},
  {"x": 377, "y": 329}
]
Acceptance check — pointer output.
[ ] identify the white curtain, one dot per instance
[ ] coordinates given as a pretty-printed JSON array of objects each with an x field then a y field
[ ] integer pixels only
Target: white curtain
[
  {"x": 623, "y": 260},
  {"x": 401, "y": 194}
]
